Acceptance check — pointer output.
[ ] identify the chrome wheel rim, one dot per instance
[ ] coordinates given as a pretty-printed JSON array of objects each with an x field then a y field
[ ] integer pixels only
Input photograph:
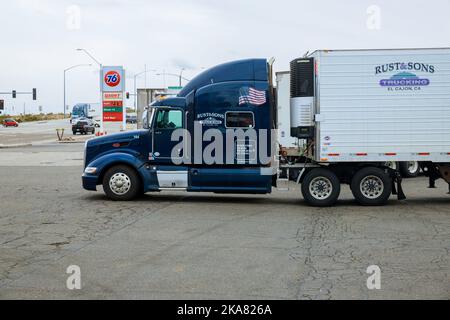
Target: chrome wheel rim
[
  {"x": 320, "y": 188},
  {"x": 120, "y": 183},
  {"x": 372, "y": 187}
]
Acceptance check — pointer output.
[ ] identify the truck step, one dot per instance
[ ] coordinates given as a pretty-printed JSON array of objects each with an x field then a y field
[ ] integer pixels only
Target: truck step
[{"x": 283, "y": 184}]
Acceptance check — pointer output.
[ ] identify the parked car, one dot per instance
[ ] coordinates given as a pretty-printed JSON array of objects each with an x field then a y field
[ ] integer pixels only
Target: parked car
[
  {"x": 83, "y": 126},
  {"x": 10, "y": 123},
  {"x": 132, "y": 119}
]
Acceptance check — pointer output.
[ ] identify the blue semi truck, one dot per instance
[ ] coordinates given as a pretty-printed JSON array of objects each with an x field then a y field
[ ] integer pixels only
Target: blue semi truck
[
  {"x": 220, "y": 99},
  {"x": 219, "y": 134}
]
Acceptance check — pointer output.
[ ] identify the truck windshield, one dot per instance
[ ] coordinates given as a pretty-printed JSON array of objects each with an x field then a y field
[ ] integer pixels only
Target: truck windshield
[{"x": 80, "y": 110}]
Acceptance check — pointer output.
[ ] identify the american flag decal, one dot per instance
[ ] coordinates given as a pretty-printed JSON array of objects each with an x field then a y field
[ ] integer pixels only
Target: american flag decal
[{"x": 252, "y": 96}]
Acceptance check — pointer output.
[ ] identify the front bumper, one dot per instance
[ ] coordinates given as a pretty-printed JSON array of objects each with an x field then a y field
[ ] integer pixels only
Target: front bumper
[{"x": 89, "y": 182}]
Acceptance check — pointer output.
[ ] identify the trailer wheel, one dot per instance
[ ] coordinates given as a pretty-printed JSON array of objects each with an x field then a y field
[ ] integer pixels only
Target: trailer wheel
[
  {"x": 121, "y": 183},
  {"x": 371, "y": 187},
  {"x": 410, "y": 169},
  {"x": 321, "y": 188},
  {"x": 392, "y": 164}
]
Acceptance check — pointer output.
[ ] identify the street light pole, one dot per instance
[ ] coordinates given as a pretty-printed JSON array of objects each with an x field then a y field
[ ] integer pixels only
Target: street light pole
[
  {"x": 179, "y": 76},
  {"x": 135, "y": 84},
  {"x": 65, "y": 71},
  {"x": 100, "y": 83}
]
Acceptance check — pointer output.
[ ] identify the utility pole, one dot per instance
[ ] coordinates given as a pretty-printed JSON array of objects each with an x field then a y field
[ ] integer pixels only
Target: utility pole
[
  {"x": 100, "y": 84},
  {"x": 65, "y": 71},
  {"x": 135, "y": 84}
]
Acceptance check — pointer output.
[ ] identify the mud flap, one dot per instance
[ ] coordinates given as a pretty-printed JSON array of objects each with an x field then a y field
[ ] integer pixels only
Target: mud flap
[
  {"x": 400, "y": 194},
  {"x": 394, "y": 188},
  {"x": 397, "y": 188}
]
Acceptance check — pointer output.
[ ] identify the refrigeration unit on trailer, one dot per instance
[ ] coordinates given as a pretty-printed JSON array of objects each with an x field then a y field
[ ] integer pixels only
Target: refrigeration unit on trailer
[
  {"x": 351, "y": 110},
  {"x": 283, "y": 89},
  {"x": 292, "y": 148}
]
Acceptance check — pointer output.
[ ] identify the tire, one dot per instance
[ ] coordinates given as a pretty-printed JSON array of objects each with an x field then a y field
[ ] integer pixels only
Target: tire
[
  {"x": 392, "y": 164},
  {"x": 313, "y": 188},
  {"x": 371, "y": 187},
  {"x": 121, "y": 183},
  {"x": 410, "y": 169},
  {"x": 74, "y": 133}
]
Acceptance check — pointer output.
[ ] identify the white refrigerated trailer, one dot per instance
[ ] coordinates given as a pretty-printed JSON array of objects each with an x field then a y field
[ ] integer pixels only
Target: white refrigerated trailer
[
  {"x": 292, "y": 148},
  {"x": 358, "y": 109}
]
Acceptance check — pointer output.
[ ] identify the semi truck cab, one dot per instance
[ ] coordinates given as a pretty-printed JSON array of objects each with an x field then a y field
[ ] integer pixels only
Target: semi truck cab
[{"x": 184, "y": 144}]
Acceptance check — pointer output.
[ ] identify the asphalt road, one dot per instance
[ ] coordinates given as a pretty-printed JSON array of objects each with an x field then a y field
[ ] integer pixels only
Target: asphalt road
[
  {"x": 196, "y": 246},
  {"x": 42, "y": 132}
]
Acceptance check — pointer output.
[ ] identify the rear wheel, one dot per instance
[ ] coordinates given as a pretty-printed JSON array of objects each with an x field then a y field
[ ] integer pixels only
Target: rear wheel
[
  {"x": 410, "y": 169},
  {"x": 371, "y": 187},
  {"x": 321, "y": 188},
  {"x": 121, "y": 183}
]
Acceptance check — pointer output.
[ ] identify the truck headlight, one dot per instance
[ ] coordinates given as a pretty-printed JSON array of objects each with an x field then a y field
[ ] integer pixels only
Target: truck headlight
[{"x": 90, "y": 170}]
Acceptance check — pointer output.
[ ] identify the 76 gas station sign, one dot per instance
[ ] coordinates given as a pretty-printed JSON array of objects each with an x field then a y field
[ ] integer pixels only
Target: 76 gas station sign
[{"x": 113, "y": 86}]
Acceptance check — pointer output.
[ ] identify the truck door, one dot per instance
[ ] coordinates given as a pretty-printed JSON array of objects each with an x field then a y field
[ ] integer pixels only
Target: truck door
[{"x": 166, "y": 122}]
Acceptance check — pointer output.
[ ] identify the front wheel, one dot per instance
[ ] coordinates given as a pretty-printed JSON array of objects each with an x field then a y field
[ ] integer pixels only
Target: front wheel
[
  {"x": 321, "y": 188},
  {"x": 121, "y": 183},
  {"x": 371, "y": 187}
]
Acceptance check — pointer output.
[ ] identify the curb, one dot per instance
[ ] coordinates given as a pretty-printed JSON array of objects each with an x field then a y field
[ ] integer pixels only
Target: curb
[
  {"x": 10, "y": 146},
  {"x": 69, "y": 142}
]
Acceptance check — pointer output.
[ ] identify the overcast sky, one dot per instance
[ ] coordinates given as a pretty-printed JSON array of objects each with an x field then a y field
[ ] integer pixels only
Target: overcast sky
[{"x": 39, "y": 37}]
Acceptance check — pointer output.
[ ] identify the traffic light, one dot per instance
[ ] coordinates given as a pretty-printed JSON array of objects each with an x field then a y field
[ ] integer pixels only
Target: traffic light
[
  {"x": 34, "y": 94},
  {"x": 128, "y": 95},
  {"x": 14, "y": 94}
]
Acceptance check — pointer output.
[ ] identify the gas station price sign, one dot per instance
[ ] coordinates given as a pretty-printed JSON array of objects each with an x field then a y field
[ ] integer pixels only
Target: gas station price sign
[{"x": 113, "y": 86}]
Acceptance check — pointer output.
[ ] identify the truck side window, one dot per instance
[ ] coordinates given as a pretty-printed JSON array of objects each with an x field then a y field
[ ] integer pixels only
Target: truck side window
[
  {"x": 169, "y": 119},
  {"x": 240, "y": 120}
]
